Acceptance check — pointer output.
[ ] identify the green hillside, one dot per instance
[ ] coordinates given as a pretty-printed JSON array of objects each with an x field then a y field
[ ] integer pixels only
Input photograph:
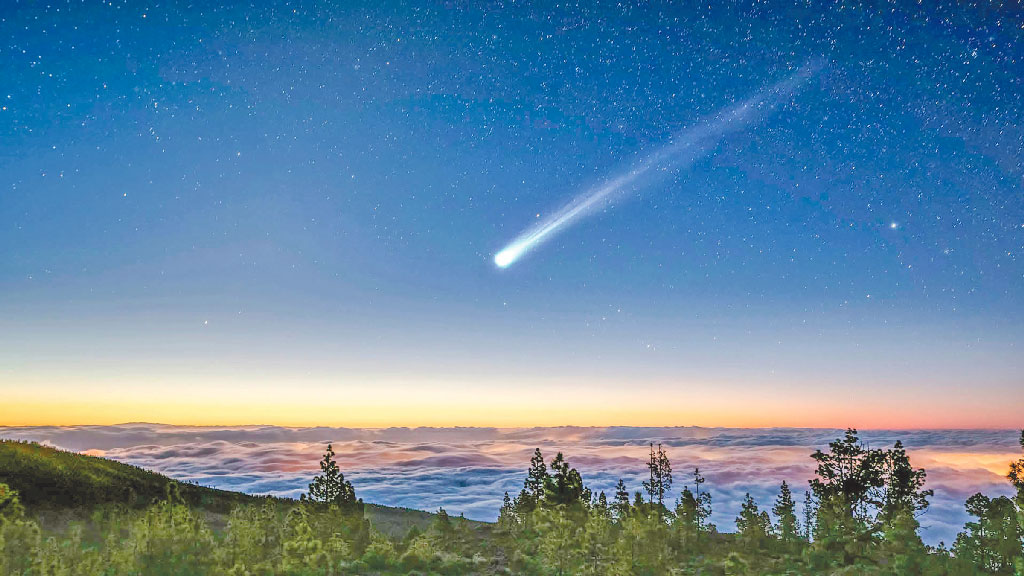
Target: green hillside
[
  {"x": 48, "y": 478},
  {"x": 52, "y": 482}
]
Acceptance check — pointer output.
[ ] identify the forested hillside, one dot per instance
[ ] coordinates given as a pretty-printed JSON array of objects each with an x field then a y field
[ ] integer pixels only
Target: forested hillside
[
  {"x": 57, "y": 486},
  {"x": 859, "y": 517},
  {"x": 47, "y": 478}
]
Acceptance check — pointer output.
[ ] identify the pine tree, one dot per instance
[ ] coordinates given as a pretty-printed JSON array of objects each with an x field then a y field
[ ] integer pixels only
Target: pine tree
[
  {"x": 536, "y": 476},
  {"x": 530, "y": 496},
  {"x": 685, "y": 521},
  {"x": 993, "y": 542},
  {"x": 785, "y": 511},
  {"x": 660, "y": 481},
  {"x": 752, "y": 525},
  {"x": 620, "y": 505},
  {"x": 507, "y": 520},
  {"x": 442, "y": 530},
  {"x": 846, "y": 477},
  {"x": 703, "y": 501},
  {"x": 860, "y": 493},
  {"x": 902, "y": 486},
  {"x": 330, "y": 487},
  {"x": 651, "y": 485},
  {"x": 564, "y": 485},
  {"x": 693, "y": 509},
  {"x": 846, "y": 474},
  {"x": 809, "y": 515}
]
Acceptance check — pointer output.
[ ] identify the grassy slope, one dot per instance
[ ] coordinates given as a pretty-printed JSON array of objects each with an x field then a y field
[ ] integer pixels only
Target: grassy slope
[{"x": 53, "y": 482}]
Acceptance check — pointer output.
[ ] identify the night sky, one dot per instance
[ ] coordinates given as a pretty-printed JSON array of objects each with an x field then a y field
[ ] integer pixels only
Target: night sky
[{"x": 242, "y": 213}]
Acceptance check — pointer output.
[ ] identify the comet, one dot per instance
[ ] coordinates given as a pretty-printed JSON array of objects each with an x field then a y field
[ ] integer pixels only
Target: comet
[{"x": 686, "y": 147}]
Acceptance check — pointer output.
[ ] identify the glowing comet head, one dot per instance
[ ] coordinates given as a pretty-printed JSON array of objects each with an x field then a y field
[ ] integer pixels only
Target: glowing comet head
[{"x": 509, "y": 255}]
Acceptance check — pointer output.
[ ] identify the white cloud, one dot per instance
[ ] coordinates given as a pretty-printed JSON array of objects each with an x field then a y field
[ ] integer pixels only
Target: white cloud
[{"x": 467, "y": 470}]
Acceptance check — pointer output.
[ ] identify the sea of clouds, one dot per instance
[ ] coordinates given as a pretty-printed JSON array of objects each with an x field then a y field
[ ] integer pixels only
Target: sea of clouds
[{"x": 468, "y": 470}]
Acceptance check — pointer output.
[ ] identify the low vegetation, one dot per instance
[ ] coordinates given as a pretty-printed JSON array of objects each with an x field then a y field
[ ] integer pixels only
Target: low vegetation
[{"x": 859, "y": 517}]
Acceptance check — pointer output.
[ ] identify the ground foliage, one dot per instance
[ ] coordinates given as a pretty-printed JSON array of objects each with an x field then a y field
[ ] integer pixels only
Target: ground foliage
[{"x": 860, "y": 517}]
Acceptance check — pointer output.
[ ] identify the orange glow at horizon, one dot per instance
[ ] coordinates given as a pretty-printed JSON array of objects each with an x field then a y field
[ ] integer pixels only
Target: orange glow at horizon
[{"x": 383, "y": 405}]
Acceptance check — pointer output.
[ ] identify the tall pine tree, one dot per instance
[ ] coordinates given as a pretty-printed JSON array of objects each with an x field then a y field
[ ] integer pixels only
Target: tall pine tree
[
  {"x": 660, "y": 480},
  {"x": 330, "y": 487},
  {"x": 620, "y": 505},
  {"x": 785, "y": 512}
]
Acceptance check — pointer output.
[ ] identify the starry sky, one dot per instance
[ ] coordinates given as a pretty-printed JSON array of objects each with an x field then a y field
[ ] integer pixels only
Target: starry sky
[{"x": 288, "y": 213}]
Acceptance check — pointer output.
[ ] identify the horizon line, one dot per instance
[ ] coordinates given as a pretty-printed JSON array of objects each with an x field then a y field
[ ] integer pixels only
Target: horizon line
[{"x": 521, "y": 427}]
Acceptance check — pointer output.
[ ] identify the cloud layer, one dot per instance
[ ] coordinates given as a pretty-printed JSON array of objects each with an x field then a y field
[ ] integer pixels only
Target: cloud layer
[{"x": 468, "y": 470}]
